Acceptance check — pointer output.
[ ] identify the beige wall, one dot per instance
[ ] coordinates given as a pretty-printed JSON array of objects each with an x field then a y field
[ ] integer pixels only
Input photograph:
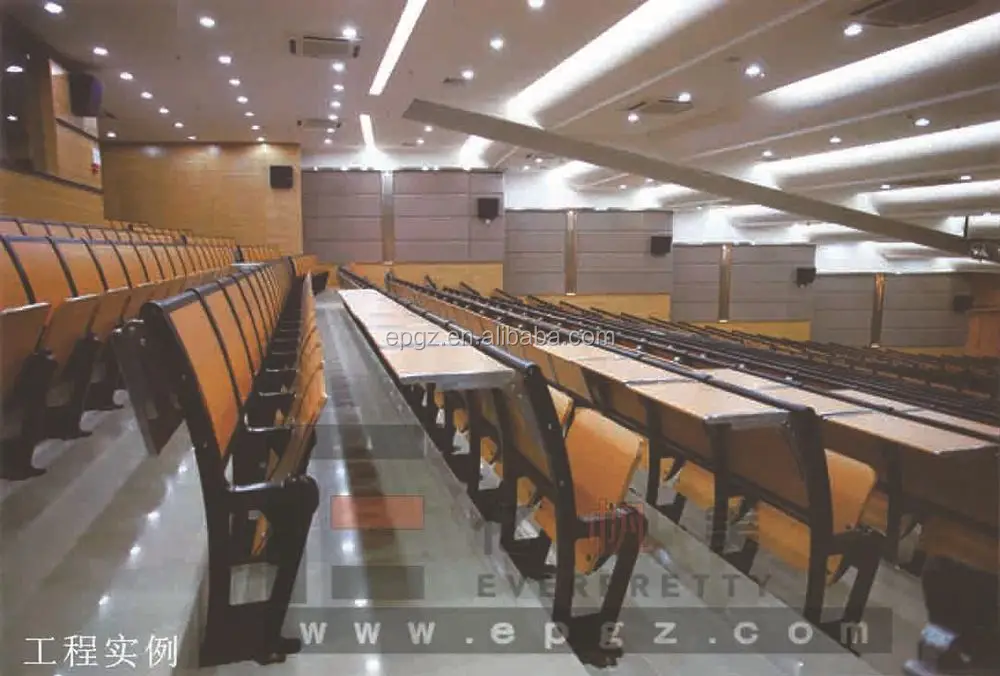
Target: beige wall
[
  {"x": 28, "y": 196},
  {"x": 208, "y": 189}
]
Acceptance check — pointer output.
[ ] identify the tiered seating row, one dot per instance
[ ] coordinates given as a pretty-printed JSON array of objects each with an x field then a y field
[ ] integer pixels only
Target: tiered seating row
[
  {"x": 258, "y": 254},
  {"x": 240, "y": 360}
]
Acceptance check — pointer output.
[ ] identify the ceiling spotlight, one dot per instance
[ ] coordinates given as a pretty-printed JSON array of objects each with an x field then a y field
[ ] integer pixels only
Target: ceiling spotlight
[
  {"x": 111, "y": 134},
  {"x": 349, "y": 32},
  {"x": 192, "y": 138},
  {"x": 886, "y": 186},
  {"x": 538, "y": 160},
  {"x": 428, "y": 129},
  {"x": 261, "y": 139},
  {"x": 754, "y": 70},
  {"x": 178, "y": 125},
  {"x": 649, "y": 180},
  {"x": 468, "y": 74},
  {"x": 12, "y": 118},
  {"x": 15, "y": 69},
  {"x": 100, "y": 51},
  {"x": 425, "y": 168},
  {"x": 965, "y": 177},
  {"x": 853, "y": 29},
  {"x": 767, "y": 153},
  {"x": 127, "y": 76},
  {"x": 241, "y": 99},
  {"x": 420, "y": 141},
  {"x": 435, "y": 167},
  {"x": 633, "y": 117},
  {"x": 255, "y": 127},
  {"x": 328, "y": 141},
  {"x": 496, "y": 43},
  {"x": 164, "y": 111},
  {"x": 684, "y": 97},
  {"x": 338, "y": 87},
  {"x": 53, "y": 8},
  {"x": 835, "y": 140},
  {"x": 235, "y": 81},
  {"x": 921, "y": 122},
  {"x": 338, "y": 66},
  {"x": 536, "y": 4},
  {"x": 330, "y": 130},
  {"x": 207, "y": 21},
  {"x": 333, "y": 117},
  {"x": 622, "y": 186},
  {"x": 225, "y": 59},
  {"x": 526, "y": 167},
  {"x": 146, "y": 95},
  {"x": 335, "y": 104}
]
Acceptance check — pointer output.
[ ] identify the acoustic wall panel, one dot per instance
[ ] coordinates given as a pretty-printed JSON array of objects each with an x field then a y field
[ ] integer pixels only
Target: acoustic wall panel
[
  {"x": 918, "y": 311},
  {"x": 842, "y": 308},
  {"x": 763, "y": 284},
  {"x": 694, "y": 292},
  {"x": 612, "y": 252},
  {"x": 534, "y": 257},
  {"x": 341, "y": 215}
]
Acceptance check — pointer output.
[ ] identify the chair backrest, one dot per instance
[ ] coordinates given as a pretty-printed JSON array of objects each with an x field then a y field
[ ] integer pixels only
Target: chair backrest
[
  {"x": 133, "y": 263},
  {"x": 59, "y": 230},
  {"x": 257, "y": 312},
  {"x": 47, "y": 279},
  {"x": 111, "y": 265},
  {"x": 84, "y": 275},
  {"x": 175, "y": 259},
  {"x": 150, "y": 263},
  {"x": 34, "y": 229},
  {"x": 12, "y": 289},
  {"x": 230, "y": 336},
  {"x": 170, "y": 270},
  {"x": 79, "y": 232},
  {"x": 97, "y": 234},
  {"x": 248, "y": 323},
  {"x": 10, "y": 226}
]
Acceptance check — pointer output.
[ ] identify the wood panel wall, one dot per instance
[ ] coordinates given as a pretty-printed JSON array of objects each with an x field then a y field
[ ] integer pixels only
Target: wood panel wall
[
  {"x": 638, "y": 304},
  {"x": 28, "y": 196},
  {"x": 209, "y": 189}
]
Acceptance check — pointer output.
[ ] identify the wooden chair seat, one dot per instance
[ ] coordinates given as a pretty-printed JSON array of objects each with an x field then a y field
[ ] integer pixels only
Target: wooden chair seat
[
  {"x": 951, "y": 539},
  {"x": 697, "y": 484},
  {"x": 563, "y": 404}
]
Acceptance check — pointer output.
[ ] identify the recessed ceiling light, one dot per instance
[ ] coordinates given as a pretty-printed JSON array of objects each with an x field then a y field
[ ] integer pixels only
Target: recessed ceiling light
[
  {"x": 886, "y": 186},
  {"x": 425, "y": 168},
  {"x": 965, "y": 177},
  {"x": 633, "y": 117},
  {"x": 53, "y": 8},
  {"x": 536, "y": 4},
  {"x": 192, "y": 138},
  {"x": 338, "y": 66},
  {"x": 12, "y": 118},
  {"x": 255, "y": 127},
  {"x": 146, "y": 95},
  {"x": 248, "y": 114},
  {"x": 333, "y": 117},
  {"x": 428, "y": 129},
  {"x": 622, "y": 186},
  {"x": 987, "y": 214},
  {"x": 111, "y": 134},
  {"x": 207, "y": 21},
  {"x": 349, "y": 32},
  {"x": 15, "y": 69},
  {"x": 435, "y": 167},
  {"x": 420, "y": 141},
  {"x": 835, "y": 140},
  {"x": 338, "y": 87},
  {"x": 921, "y": 122},
  {"x": 127, "y": 76},
  {"x": 330, "y": 130},
  {"x": 100, "y": 51},
  {"x": 754, "y": 70},
  {"x": 164, "y": 111},
  {"x": 684, "y": 97},
  {"x": 767, "y": 153},
  {"x": 853, "y": 29},
  {"x": 335, "y": 104},
  {"x": 328, "y": 141},
  {"x": 225, "y": 59},
  {"x": 261, "y": 139},
  {"x": 649, "y": 180},
  {"x": 241, "y": 99},
  {"x": 538, "y": 160},
  {"x": 526, "y": 167},
  {"x": 468, "y": 74},
  {"x": 178, "y": 125},
  {"x": 496, "y": 43},
  {"x": 235, "y": 81}
]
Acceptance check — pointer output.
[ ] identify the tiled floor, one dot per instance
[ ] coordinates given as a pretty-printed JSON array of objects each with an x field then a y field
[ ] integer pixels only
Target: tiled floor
[{"x": 112, "y": 541}]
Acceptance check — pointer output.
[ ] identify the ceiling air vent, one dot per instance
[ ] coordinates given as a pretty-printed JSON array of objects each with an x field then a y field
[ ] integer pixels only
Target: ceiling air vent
[
  {"x": 924, "y": 181},
  {"x": 455, "y": 81},
  {"x": 908, "y": 13},
  {"x": 318, "y": 123},
  {"x": 662, "y": 107},
  {"x": 324, "y": 48}
]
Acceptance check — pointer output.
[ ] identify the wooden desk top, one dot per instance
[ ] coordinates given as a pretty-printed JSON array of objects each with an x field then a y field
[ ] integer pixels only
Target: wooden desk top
[
  {"x": 712, "y": 404},
  {"x": 877, "y": 400},
  {"x": 823, "y": 406},
  {"x": 911, "y": 435},
  {"x": 741, "y": 378},
  {"x": 579, "y": 353},
  {"x": 970, "y": 425},
  {"x": 630, "y": 370},
  {"x": 449, "y": 368}
]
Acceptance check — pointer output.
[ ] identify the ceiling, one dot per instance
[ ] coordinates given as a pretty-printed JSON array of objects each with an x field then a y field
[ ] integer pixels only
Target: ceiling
[{"x": 834, "y": 114}]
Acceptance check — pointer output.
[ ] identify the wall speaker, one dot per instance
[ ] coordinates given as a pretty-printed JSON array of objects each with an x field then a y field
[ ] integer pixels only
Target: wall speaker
[
  {"x": 282, "y": 177},
  {"x": 962, "y": 303},
  {"x": 659, "y": 245},
  {"x": 84, "y": 95},
  {"x": 487, "y": 208},
  {"x": 805, "y": 276}
]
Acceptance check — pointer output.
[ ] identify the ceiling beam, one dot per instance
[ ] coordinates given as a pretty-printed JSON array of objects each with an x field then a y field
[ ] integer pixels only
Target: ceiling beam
[{"x": 504, "y": 131}]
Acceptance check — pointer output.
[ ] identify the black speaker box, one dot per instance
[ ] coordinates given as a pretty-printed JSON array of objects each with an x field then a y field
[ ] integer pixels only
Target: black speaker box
[
  {"x": 659, "y": 245},
  {"x": 487, "y": 208},
  {"x": 282, "y": 177},
  {"x": 805, "y": 276},
  {"x": 961, "y": 303},
  {"x": 84, "y": 95}
]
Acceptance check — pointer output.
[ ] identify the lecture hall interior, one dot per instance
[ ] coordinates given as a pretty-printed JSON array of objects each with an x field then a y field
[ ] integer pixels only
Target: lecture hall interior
[{"x": 446, "y": 337}]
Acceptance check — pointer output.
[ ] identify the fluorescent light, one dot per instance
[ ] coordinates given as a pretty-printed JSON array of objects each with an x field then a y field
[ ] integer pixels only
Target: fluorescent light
[
  {"x": 335, "y": 104},
  {"x": 921, "y": 122},
  {"x": 936, "y": 51},
  {"x": 111, "y": 134},
  {"x": 853, "y": 29},
  {"x": 886, "y": 186},
  {"x": 633, "y": 117},
  {"x": 14, "y": 68},
  {"x": 53, "y": 8},
  {"x": 241, "y": 99},
  {"x": 407, "y": 22},
  {"x": 207, "y": 21},
  {"x": 338, "y": 87},
  {"x": 328, "y": 141},
  {"x": 127, "y": 76},
  {"x": 332, "y": 117},
  {"x": 192, "y": 138},
  {"x": 100, "y": 51},
  {"x": 936, "y": 193},
  {"x": 338, "y": 66},
  {"x": 571, "y": 170},
  {"x": 261, "y": 139},
  {"x": 428, "y": 129},
  {"x": 164, "y": 111},
  {"x": 538, "y": 160},
  {"x": 178, "y": 125},
  {"x": 367, "y": 131},
  {"x": 225, "y": 59},
  {"x": 767, "y": 153},
  {"x": 684, "y": 97},
  {"x": 622, "y": 186},
  {"x": 468, "y": 74},
  {"x": 753, "y": 70},
  {"x": 496, "y": 44},
  {"x": 255, "y": 127},
  {"x": 835, "y": 140},
  {"x": 330, "y": 130},
  {"x": 420, "y": 141},
  {"x": 235, "y": 81},
  {"x": 349, "y": 32},
  {"x": 536, "y": 4},
  {"x": 146, "y": 95},
  {"x": 248, "y": 114},
  {"x": 425, "y": 168},
  {"x": 965, "y": 177},
  {"x": 12, "y": 118},
  {"x": 526, "y": 167}
]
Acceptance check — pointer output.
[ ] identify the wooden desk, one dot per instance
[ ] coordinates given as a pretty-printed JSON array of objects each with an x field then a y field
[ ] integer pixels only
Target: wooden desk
[
  {"x": 449, "y": 368},
  {"x": 742, "y": 379},
  {"x": 579, "y": 353},
  {"x": 970, "y": 425},
  {"x": 711, "y": 404},
  {"x": 625, "y": 370},
  {"x": 824, "y": 406},
  {"x": 909, "y": 436},
  {"x": 876, "y": 400}
]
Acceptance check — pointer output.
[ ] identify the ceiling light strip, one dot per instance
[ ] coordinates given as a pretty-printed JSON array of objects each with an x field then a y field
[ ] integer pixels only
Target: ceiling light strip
[
  {"x": 367, "y": 130},
  {"x": 404, "y": 29}
]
